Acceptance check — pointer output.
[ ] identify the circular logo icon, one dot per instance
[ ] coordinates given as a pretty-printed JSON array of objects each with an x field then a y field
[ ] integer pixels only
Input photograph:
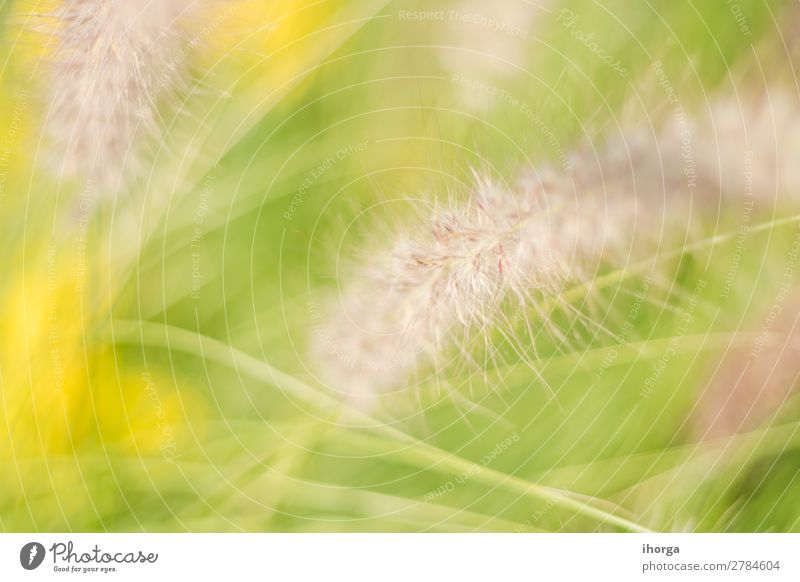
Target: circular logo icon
[{"x": 31, "y": 555}]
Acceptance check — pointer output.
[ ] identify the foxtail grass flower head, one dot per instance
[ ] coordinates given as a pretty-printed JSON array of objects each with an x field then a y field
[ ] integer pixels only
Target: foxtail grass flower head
[
  {"x": 504, "y": 256},
  {"x": 445, "y": 282},
  {"x": 751, "y": 145},
  {"x": 113, "y": 64},
  {"x": 740, "y": 145}
]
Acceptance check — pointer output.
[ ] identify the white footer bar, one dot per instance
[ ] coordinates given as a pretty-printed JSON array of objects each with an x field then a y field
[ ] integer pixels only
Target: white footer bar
[{"x": 400, "y": 557}]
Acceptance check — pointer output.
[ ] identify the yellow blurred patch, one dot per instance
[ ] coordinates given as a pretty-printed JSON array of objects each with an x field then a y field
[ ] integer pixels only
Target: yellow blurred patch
[{"x": 64, "y": 390}]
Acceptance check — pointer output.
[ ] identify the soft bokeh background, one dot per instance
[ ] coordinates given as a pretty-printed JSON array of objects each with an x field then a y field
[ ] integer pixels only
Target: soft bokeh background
[{"x": 154, "y": 363}]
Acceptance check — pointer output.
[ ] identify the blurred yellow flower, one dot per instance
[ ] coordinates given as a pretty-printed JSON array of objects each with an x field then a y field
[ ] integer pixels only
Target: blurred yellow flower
[{"x": 66, "y": 394}]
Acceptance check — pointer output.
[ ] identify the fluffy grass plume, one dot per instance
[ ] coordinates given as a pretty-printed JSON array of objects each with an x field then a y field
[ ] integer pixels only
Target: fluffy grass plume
[{"x": 112, "y": 64}]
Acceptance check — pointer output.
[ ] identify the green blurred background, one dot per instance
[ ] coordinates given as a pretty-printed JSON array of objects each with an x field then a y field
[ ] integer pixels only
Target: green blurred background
[{"x": 154, "y": 361}]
